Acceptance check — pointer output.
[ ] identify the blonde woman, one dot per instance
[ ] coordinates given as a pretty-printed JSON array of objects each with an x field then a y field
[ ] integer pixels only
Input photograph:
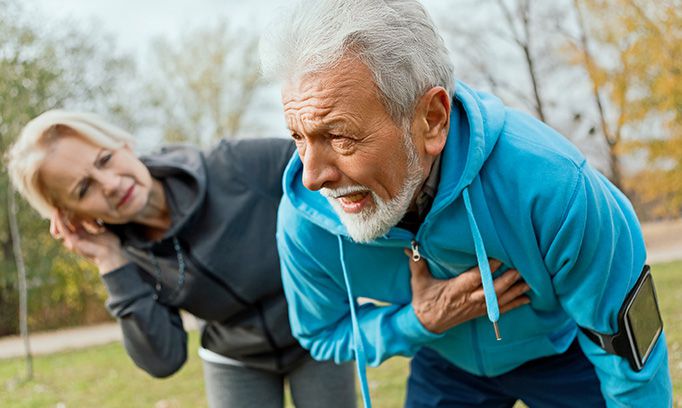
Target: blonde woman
[{"x": 180, "y": 229}]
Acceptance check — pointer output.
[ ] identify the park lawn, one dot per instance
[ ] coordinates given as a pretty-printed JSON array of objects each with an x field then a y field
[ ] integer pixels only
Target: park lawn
[{"x": 104, "y": 376}]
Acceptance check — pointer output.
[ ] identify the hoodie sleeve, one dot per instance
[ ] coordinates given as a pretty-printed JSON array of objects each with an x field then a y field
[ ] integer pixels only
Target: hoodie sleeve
[
  {"x": 595, "y": 257},
  {"x": 153, "y": 334},
  {"x": 319, "y": 311}
]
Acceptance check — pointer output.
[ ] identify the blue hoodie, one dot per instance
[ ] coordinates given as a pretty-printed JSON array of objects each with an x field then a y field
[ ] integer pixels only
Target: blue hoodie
[{"x": 512, "y": 189}]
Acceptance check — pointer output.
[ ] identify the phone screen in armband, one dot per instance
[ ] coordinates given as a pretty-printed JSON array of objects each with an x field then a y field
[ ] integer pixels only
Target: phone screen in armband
[{"x": 643, "y": 321}]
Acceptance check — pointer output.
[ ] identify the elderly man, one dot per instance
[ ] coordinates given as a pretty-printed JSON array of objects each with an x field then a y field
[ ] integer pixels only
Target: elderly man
[{"x": 394, "y": 154}]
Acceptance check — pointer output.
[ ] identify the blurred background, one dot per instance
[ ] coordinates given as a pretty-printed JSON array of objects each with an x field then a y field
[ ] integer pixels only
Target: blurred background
[{"x": 605, "y": 73}]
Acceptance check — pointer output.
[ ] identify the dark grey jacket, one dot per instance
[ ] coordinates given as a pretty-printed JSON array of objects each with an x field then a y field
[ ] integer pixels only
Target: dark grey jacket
[{"x": 223, "y": 206}]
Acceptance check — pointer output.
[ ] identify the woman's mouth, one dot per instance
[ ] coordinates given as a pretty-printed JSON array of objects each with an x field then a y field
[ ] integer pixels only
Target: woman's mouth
[{"x": 126, "y": 197}]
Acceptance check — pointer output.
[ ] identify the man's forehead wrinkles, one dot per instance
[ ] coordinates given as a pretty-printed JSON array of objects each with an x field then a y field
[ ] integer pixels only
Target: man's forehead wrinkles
[
  {"x": 308, "y": 113},
  {"x": 322, "y": 119}
]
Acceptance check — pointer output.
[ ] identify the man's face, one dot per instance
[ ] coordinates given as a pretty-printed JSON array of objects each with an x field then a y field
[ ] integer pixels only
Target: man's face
[{"x": 352, "y": 151}]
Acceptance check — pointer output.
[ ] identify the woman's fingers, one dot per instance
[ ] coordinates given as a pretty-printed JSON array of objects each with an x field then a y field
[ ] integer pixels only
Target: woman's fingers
[{"x": 56, "y": 225}]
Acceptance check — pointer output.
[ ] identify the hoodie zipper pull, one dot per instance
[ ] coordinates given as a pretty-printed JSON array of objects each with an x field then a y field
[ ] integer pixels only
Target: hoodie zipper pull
[{"x": 416, "y": 256}]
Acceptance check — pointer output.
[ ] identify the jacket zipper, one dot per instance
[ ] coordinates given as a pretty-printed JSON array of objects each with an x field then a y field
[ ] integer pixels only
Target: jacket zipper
[
  {"x": 213, "y": 278},
  {"x": 268, "y": 336},
  {"x": 258, "y": 306}
]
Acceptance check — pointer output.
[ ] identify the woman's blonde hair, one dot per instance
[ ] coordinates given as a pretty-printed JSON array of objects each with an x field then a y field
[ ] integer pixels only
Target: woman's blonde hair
[{"x": 28, "y": 152}]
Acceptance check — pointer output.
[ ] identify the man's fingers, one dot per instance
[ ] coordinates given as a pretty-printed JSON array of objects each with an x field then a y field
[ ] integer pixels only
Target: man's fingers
[
  {"x": 494, "y": 264},
  {"x": 505, "y": 281},
  {"x": 518, "y": 289},
  {"x": 467, "y": 281},
  {"x": 477, "y": 296},
  {"x": 519, "y": 301}
]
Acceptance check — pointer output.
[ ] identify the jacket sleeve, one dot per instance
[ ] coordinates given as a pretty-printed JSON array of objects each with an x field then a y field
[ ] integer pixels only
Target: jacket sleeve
[
  {"x": 319, "y": 309},
  {"x": 595, "y": 257},
  {"x": 153, "y": 334}
]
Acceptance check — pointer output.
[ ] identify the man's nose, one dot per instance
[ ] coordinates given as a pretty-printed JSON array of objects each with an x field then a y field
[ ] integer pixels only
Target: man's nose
[{"x": 319, "y": 168}]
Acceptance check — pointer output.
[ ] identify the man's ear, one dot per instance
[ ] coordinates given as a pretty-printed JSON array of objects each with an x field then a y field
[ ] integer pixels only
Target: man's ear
[{"x": 432, "y": 119}]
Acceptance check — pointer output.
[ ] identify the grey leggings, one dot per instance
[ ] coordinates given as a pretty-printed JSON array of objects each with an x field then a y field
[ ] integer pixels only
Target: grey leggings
[{"x": 313, "y": 385}]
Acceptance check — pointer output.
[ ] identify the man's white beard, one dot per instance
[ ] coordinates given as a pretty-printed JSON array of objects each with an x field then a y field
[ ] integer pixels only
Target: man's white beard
[{"x": 375, "y": 221}]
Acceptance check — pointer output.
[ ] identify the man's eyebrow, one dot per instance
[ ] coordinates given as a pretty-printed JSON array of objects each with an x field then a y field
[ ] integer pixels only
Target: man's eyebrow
[{"x": 338, "y": 124}]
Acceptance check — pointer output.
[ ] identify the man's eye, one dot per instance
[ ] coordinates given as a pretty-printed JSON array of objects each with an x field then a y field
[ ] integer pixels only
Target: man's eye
[
  {"x": 296, "y": 136},
  {"x": 341, "y": 141}
]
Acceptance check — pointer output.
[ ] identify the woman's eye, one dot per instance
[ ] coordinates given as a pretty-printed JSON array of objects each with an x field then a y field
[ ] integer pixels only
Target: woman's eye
[
  {"x": 83, "y": 188},
  {"x": 105, "y": 159}
]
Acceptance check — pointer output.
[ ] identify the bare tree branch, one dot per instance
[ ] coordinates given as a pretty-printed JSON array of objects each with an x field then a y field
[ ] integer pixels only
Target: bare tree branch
[{"x": 23, "y": 290}]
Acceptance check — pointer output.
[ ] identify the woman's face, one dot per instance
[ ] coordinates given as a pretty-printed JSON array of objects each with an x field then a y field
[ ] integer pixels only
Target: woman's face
[{"x": 90, "y": 181}]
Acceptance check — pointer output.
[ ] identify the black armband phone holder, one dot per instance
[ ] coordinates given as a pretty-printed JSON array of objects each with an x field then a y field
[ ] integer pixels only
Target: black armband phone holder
[{"x": 639, "y": 324}]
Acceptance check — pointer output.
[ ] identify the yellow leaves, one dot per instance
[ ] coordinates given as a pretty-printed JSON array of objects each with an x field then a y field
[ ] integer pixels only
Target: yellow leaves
[{"x": 638, "y": 65}]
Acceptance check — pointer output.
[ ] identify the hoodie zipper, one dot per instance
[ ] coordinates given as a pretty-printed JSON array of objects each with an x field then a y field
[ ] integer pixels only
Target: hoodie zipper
[
  {"x": 475, "y": 347},
  {"x": 416, "y": 256}
]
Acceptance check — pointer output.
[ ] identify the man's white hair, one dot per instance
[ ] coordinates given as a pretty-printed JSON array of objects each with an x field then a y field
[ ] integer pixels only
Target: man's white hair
[
  {"x": 396, "y": 39},
  {"x": 28, "y": 152}
]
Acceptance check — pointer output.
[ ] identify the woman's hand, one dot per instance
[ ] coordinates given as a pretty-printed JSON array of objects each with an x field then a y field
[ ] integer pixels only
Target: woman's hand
[
  {"x": 89, "y": 240},
  {"x": 443, "y": 304}
]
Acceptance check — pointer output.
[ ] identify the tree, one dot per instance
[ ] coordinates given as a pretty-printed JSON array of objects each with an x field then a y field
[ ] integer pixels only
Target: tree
[
  {"x": 207, "y": 84},
  {"x": 45, "y": 66},
  {"x": 637, "y": 88},
  {"x": 521, "y": 57},
  {"x": 23, "y": 290}
]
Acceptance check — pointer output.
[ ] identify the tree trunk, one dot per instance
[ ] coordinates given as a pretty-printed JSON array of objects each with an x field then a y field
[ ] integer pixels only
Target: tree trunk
[
  {"x": 23, "y": 290},
  {"x": 614, "y": 164}
]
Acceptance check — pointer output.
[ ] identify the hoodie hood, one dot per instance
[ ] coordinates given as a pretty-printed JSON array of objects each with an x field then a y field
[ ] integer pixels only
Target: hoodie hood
[
  {"x": 182, "y": 171},
  {"x": 475, "y": 124}
]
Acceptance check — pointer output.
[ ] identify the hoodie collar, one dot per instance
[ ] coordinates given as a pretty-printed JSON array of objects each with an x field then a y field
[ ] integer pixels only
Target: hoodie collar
[
  {"x": 476, "y": 122},
  {"x": 182, "y": 172}
]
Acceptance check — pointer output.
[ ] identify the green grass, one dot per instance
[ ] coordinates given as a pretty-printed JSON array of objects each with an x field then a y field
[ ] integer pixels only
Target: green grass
[
  {"x": 105, "y": 377},
  {"x": 668, "y": 280}
]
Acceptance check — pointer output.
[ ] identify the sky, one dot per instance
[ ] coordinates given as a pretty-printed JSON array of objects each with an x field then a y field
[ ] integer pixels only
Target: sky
[{"x": 134, "y": 24}]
